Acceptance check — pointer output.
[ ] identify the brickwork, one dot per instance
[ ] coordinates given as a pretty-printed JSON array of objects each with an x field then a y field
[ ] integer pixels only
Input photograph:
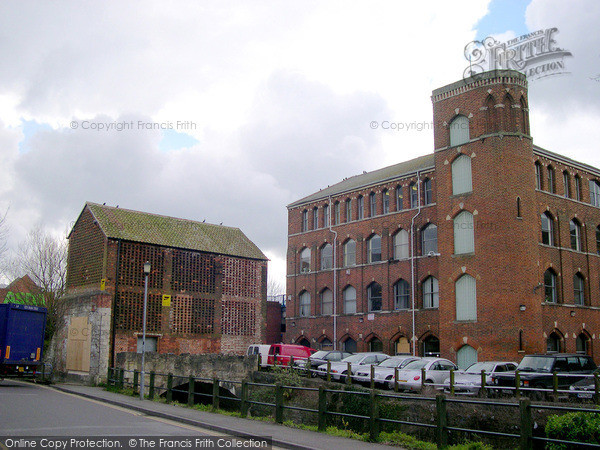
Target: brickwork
[
  {"x": 86, "y": 251},
  {"x": 511, "y": 315}
]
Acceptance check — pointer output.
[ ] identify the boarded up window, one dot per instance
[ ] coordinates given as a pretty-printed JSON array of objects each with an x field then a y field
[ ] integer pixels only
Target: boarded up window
[
  {"x": 459, "y": 131},
  {"x": 78, "y": 345},
  {"x": 466, "y": 298},
  {"x": 464, "y": 236},
  {"x": 462, "y": 178}
]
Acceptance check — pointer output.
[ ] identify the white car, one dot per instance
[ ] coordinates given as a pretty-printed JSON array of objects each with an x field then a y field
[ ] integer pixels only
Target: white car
[
  {"x": 339, "y": 370},
  {"x": 436, "y": 371},
  {"x": 384, "y": 371},
  {"x": 469, "y": 381}
]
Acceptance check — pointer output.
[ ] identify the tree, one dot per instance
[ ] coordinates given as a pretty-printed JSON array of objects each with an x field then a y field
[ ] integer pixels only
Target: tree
[{"x": 274, "y": 288}]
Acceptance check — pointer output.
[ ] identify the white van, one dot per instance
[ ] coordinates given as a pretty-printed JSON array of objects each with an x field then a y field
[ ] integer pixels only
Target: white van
[{"x": 261, "y": 350}]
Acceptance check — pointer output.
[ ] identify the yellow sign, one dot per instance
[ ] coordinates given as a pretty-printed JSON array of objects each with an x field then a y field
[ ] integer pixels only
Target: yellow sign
[
  {"x": 103, "y": 284},
  {"x": 166, "y": 300}
]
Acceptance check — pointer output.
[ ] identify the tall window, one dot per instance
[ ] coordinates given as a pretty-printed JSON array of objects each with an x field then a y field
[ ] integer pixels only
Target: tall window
[
  {"x": 575, "y": 231},
  {"x": 524, "y": 116},
  {"x": 399, "y": 198},
  {"x": 429, "y": 239},
  {"x": 550, "y": 292},
  {"x": 577, "y": 188},
  {"x": 459, "y": 131},
  {"x": 538, "y": 175},
  {"x": 401, "y": 245},
  {"x": 349, "y": 345},
  {"x": 466, "y": 298},
  {"x": 305, "y": 260},
  {"x": 547, "y": 229},
  {"x": 431, "y": 294},
  {"x": 349, "y": 295},
  {"x": 304, "y": 304},
  {"x": 595, "y": 193},
  {"x": 326, "y": 216},
  {"x": 462, "y": 178},
  {"x": 551, "y": 184},
  {"x": 326, "y": 257},
  {"x": 375, "y": 345},
  {"x": 326, "y": 302},
  {"x": 348, "y": 210},
  {"x": 578, "y": 289},
  {"x": 315, "y": 218},
  {"x": 372, "y": 204},
  {"x": 374, "y": 296},
  {"x": 598, "y": 239},
  {"x": 374, "y": 246},
  {"x": 385, "y": 201},
  {"x": 414, "y": 195},
  {"x": 553, "y": 343},
  {"x": 305, "y": 220},
  {"x": 427, "y": 192},
  {"x": 336, "y": 211},
  {"x": 464, "y": 236},
  {"x": 567, "y": 183},
  {"x": 582, "y": 344},
  {"x": 361, "y": 207},
  {"x": 401, "y": 295},
  {"x": 350, "y": 253}
]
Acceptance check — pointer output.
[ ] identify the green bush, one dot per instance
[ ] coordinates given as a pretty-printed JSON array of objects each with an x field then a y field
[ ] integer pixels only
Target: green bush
[{"x": 576, "y": 426}]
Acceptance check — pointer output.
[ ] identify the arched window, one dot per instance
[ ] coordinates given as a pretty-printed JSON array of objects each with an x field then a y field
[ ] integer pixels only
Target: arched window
[
  {"x": 466, "y": 298},
  {"x": 595, "y": 193},
  {"x": 385, "y": 201},
  {"x": 349, "y": 295},
  {"x": 464, "y": 235},
  {"x": 402, "y": 346},
  {"x": 509, "y": 114},
  {"x": 315, "y": 218},
  {"x": 336, "y": 212},
  {"x": 577, "y": 188},
  {"x": 427, "y": 192},
  {"x": 304, "y": 304},
  {"x": 524, "y": 116},
  {"x": 538, "y": 176},
  {"x": 374, "y": 296},
  {"x": 578, "y": 289},
  {"x": 553, "y": 343},
  {"x": 519, "y": 207},
  {"x": 431, "y": 293},
  {"x": 374, "y": 246},
  {"x": 551, "y": 178},
  {"x": 598, "y": 239},
  {"x": 304, "y": 342},
  {"x": 414, "y": 195},
  {"x": 350, "y": 253},
  {"x": 326, "y": 216},
  {"x": 399, "y": 198},
  {"x": 372, "y": 204},
  {"x": 326, "y": 344},
  {"x": 360, "y": 213},
  {"x": 459, "y": 131},
  {"x": 326, "y": 302},
  {"x": 491, "y": 122},
  {"x": 348, "y": 210},
  {"x": 349, "y": 345},
  {"x": 550, "y": 291},
  {"x": 401, "y": 245},
  {"x": 326, "y": 257},
  {"x": 465, "y": 356},
  {"x": 575, "y": 232},
  {"x": 305, "y": 260},
  {"x": 462, "y": 177},
  {"x": 431, "y": 346},
  {"x": 583, "y": 344},
  {"x": 429, "y": 240},
  {"x": 375, "y": 345},
  {"x": 567, "y": 183},
  {"x": 547, "y": 229},
  {"x": 305, "y": 220},
  {"x": 401, "y": 295}
]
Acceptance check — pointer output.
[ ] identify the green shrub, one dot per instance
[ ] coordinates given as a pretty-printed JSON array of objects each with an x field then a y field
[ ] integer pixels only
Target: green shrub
[{"x": 576, "y": 426}]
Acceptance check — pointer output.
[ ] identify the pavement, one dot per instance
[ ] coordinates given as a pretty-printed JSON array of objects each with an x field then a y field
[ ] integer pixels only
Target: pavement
[{"x": 282, "y": 436}]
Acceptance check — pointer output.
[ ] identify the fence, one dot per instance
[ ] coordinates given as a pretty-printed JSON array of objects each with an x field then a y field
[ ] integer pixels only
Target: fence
[{"x": 441, "y": 428}]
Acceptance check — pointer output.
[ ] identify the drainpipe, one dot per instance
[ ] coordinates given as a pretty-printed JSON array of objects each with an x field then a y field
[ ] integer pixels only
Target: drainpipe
[
  {"x": 412, "y": 260},
  {"x": 113, "y": 331},
  {"x": 331, "y": 211}
]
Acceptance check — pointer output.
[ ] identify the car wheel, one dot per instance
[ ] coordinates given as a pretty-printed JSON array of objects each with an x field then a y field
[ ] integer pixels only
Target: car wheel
[{"x": 390, "y": 385}]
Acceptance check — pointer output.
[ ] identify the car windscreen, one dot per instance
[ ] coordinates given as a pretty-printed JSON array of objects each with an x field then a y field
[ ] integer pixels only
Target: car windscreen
[
  {"x": 391, "y": 362},
  {"x": 478, "y": 367},
  {"x": 319, "y": 355},
  {"x": 416, "y": 365},
  {"x": 353, "y": 358},
  {"x": 536, "y": 364}
]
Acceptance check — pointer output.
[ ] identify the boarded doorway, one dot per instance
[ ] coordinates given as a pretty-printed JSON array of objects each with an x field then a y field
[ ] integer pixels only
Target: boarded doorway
[{"x": 78, "y": 345}]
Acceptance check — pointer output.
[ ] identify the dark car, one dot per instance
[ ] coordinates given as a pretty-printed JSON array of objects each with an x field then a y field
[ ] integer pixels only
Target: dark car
[
  {"x": 586, "y": 388},
  {"x": 536, "y": 372},
  {"x": 321, "y": 357}
]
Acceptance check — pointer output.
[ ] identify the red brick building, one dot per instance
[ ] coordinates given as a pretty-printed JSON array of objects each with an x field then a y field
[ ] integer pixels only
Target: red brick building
[
  {"x": 206, "y": 288},
  {"x": 488, "y": 248}
]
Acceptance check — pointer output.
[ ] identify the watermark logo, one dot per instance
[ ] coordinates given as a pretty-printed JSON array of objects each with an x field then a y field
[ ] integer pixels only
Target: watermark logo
[{"x": 535, "y": 54}]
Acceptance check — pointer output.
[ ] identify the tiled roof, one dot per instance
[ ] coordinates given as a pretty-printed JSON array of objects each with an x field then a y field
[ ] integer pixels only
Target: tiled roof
[
  {"x": 370, "y": 178},
  {"x": 128, "y": 225}
]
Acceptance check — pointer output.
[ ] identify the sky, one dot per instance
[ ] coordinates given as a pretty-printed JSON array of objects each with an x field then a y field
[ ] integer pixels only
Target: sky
[{"x": 228, "y": 111}]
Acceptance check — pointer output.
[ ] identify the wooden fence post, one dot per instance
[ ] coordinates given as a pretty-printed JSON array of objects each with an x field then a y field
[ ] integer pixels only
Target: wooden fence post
[
  {"x": 526, "y": 424},
  {"x": 372, "y": 376},
  {"x": 374, "y": 417},
  {"x": 151, "y": 385},
  {"x": 169, "y": 387},
  {"x": 322, "y": 409},
  {"x": 244, "y": 403},
  {"x": 395, "y": 379},
  {"x": 441, "y": 421},
  {"x": 191, "y": 390},
  {"x": 278, "y": 403},
  {"x": 348, "y": 373},
  {"x": 215, "y": 394},
  {"x": 451, "y": 381},
  {"x": 136, "y": 378}
]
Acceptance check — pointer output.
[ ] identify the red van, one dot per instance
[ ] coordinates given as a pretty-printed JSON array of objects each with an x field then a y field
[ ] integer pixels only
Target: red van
[{"x": 279, "y": 354}]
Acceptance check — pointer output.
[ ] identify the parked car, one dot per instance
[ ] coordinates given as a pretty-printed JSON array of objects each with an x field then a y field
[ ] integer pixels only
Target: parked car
[
  {"x": 469, "y": 381},
  {"x": 280, "y": 354},
  {"x": 262, "y": 350},
  {"x": 384, "y": 371},
  {"x": 321, "y": 357},
  {"x": 584, "y": 389},
  {"x": 339, "y": 370},
  {"x": 536, "y": 372},
  {"x": 436, "y": 371}
]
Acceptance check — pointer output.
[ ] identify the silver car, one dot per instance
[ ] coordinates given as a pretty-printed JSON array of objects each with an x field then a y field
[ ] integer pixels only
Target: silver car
[
  {"x": 384, "y": 371},
  {"x": 468, "y": 381},
  {"x": 436, "y": 371},
  {"x": 339, "y": 370}
]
